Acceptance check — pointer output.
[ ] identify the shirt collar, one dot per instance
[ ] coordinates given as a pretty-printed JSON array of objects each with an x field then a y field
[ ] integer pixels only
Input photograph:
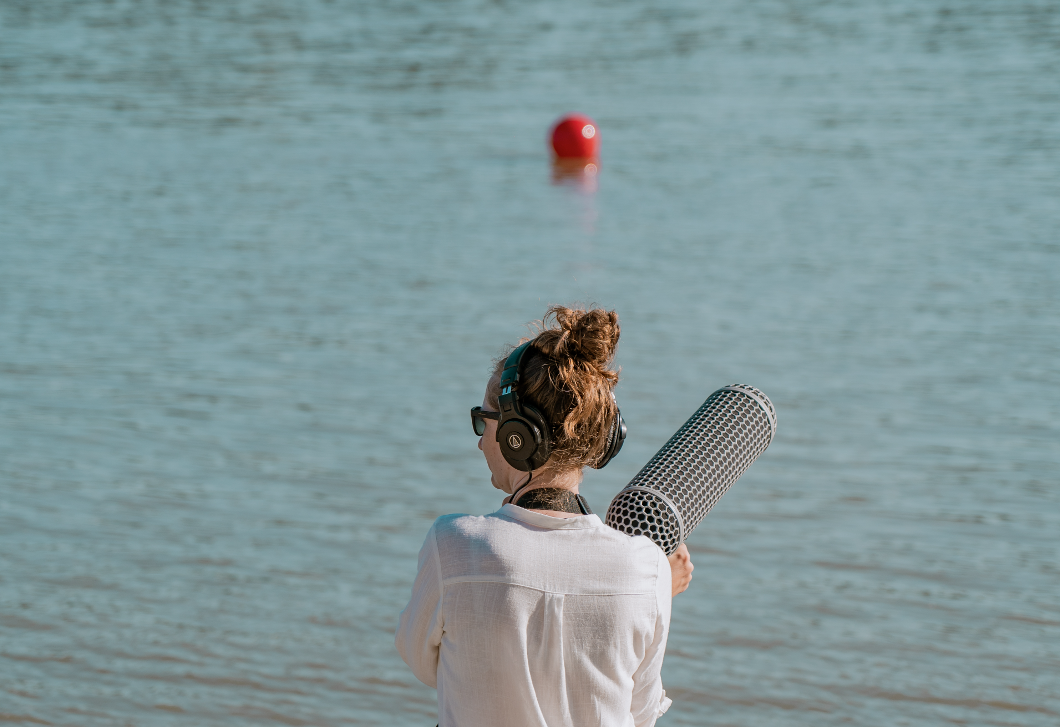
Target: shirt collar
[{"x": 578, "y": 522}]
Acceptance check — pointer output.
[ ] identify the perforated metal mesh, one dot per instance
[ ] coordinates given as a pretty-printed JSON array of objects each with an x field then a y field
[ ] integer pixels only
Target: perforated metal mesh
[{"x": 673, "y": 492}]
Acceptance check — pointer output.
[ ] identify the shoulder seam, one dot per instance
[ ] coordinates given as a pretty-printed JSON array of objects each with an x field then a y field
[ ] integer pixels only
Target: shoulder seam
[
  {"x": 438, "y": 571},
  {"x": 658, "y": 571}
]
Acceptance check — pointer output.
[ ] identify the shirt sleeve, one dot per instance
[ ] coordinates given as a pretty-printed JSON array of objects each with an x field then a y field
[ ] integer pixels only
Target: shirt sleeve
[
  {"x": 419, "y": 633},
  {"x": 649, "y": 697}
]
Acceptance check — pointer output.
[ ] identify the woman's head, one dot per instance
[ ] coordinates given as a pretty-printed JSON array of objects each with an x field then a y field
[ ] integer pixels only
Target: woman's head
[{"x": 566, "y": 375}]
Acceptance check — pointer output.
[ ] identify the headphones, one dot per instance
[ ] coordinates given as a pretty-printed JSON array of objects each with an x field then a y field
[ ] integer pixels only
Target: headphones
[{"x": 523, "y": 433}]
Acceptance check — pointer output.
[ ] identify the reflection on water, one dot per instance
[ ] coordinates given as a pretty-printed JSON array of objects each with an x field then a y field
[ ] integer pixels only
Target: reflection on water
[
  {"x": 256, "y": 257},
  {"x": 578, "y": 173}
]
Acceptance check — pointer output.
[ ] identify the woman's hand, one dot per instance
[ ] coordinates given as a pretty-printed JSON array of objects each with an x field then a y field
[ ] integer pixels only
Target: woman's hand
[{"x": 681, "y": 569}]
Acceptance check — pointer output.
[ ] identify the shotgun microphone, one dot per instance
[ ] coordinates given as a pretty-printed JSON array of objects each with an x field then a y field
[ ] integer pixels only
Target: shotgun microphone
[{"x": 673, "y": 492}]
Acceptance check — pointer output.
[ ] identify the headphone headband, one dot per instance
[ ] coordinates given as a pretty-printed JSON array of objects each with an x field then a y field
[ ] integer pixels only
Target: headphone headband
[{"x": 510, "y": 378}]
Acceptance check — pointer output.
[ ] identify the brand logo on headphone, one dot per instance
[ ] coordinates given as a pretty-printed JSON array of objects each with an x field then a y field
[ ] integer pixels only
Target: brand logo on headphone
[{"x": 515, "y": 441}]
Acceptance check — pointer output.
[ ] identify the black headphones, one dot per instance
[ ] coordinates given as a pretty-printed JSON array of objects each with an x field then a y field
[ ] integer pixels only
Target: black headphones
[{"x": 523, "y": 433}]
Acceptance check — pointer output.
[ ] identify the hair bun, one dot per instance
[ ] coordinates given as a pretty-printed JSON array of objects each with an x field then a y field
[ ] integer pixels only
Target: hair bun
[
  {"x": 585, "y": 336},
  {"x": 566, "y": 374}
]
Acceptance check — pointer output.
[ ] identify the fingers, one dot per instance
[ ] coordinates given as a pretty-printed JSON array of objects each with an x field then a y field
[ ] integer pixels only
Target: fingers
[
  {"x": 681, "y": 556},
  {"x": 681, "y": 569}
]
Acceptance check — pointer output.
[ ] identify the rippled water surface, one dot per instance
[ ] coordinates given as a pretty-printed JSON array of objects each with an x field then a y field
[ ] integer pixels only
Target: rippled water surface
[{"x": 256, "y": 257}]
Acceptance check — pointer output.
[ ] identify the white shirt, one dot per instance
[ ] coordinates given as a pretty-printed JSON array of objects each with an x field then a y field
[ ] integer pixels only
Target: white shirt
[{"x": 524, "y": 620}]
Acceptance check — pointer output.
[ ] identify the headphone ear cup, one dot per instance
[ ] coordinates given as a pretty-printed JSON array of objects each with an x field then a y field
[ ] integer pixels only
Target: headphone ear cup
[
  {"x": 616, "y": 437},
  {"x": 518, "y": 443},
  {"x": 544, "y": 441}
]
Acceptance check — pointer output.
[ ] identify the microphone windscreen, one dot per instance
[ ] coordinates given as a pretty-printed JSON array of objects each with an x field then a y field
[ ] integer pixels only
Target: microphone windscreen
[{"x": 673, "y": 492}]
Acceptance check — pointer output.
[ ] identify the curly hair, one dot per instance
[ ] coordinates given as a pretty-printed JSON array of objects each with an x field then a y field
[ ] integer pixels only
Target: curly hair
[{"x": 567, "y": 375}]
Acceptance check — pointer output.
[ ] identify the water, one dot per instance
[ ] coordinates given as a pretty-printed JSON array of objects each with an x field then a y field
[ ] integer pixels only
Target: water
[{"x": 255, "y": 259}]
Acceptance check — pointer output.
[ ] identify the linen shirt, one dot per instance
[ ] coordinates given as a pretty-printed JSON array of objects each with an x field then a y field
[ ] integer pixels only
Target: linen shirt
[{"x": 524, "y": 620}]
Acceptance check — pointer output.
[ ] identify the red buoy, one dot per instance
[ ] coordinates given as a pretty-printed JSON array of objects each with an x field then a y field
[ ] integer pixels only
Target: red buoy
[{"x": 576, "y": 137}]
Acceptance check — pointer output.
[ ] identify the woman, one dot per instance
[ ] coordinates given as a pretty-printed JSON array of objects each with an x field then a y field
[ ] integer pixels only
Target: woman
[{"x": 539, "y": 614}]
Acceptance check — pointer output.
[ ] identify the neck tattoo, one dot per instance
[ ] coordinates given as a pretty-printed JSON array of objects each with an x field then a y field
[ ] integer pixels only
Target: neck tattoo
[{"x": 554, "y": 498}]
